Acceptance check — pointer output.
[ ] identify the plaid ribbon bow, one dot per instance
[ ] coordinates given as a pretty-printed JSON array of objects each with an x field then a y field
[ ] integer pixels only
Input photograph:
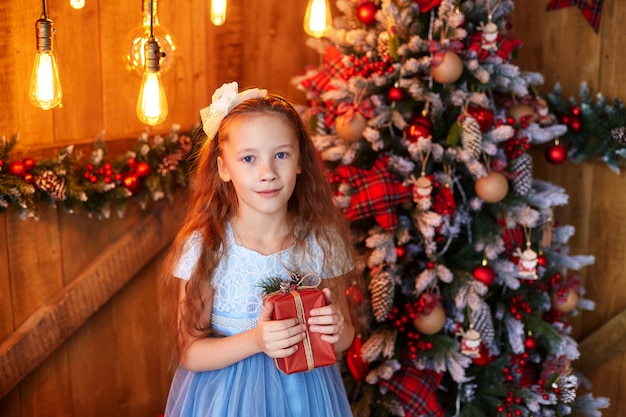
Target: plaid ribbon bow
[
  {"x": 319, "y": 83},
  {"x": 439, "y": 49},
  {"x": 365, "y": 108},
  {"x": 378, "y": 193},
  {"x": 591, "y": 11},
  {"x": 416, "y": 389}
]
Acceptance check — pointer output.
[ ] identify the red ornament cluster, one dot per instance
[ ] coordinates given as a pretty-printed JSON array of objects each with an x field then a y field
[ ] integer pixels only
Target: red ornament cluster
[
  {"x": 21, "y": 168},
  {"x": 519, "y": 306},
  {"x": 364, "y": 67},
  {"x": 574, "y": 119}
]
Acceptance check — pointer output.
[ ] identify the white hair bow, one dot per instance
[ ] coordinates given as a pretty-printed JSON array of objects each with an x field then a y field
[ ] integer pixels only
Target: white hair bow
[{"x": 224, "y": 100}]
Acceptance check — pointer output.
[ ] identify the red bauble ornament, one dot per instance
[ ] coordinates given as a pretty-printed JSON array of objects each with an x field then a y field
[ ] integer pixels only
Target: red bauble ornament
[
  {"x": 576, "y": 111},
  {"x": 354, "y": 295},
  {"x": 400, "y": 251},
  {"x": 530, "y": 343},
  {"x": 357, "y": 366},
  {"x": 29, "y": 163},
  {"x": 575, "y": 125},
  {"x": 419, "y": 127},
  {"x": 395, "y": 94},
  {"x": 542, "y": 260},
  {"x": 492, "y": 187},
  {"x": 556, "y": 153},
  {"x": 28, "y": 177},
  {"x": 483, "y": 116},
  {"x": 366, "y": 12},
  {"x": 449, "y": 70},
  {"x": 132, "y": 183},
  {"x": 485, "y": 357},
  {"x": 142, "y": 169},
  {"x": 17, "y": 168},
  {"x": 484, "y": 274}
]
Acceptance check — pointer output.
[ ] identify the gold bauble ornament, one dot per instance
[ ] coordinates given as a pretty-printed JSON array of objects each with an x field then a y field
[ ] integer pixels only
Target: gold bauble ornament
[
  {"x": 449, "y": 70},
  {"x": 521, "y": 111},
  {"x": 350, "y": 128},
  {"x": 492, "y": 187},
  {"x": 567, "y": 305},
  {"x": 430, "y": 323}
]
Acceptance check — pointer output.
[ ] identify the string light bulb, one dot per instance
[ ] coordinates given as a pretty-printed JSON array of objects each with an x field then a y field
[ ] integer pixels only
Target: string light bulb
[
  {"x": 77, "y": 4},
  {"x": 152, "y": 103},
  {"x": 136, "y": 39},
  {"x": 45, "y": 87},
  {"x": 218, "y": 12},
  {"x": 317, "y": 19}
]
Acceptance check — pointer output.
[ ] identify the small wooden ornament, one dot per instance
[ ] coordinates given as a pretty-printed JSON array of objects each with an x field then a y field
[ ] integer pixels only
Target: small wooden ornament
[{"x": 566, "y": 303}]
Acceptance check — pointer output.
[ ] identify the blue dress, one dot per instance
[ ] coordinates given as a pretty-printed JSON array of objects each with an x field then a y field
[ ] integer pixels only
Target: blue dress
[{"x": 253, "y": 387}]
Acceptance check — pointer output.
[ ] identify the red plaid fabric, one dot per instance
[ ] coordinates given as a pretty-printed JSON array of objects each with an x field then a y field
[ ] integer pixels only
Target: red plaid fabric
[
  {"x": 506, "y": 47},
  {"x": 378, "y": 193},
  {"x": 590, "y": 10},
  {"x": 365, "y": 107},
  {"x": 416, "y": 389},
  {"x": 333, "y": 66},
  {"x": 438, "y": 50}
]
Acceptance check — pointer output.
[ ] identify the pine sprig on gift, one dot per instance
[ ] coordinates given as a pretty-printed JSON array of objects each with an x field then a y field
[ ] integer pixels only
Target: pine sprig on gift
[{"x": 271, "y": 284}]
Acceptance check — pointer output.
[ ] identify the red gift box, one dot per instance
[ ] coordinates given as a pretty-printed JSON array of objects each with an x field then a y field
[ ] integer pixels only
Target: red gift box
[{"x": 312, "y": 352}]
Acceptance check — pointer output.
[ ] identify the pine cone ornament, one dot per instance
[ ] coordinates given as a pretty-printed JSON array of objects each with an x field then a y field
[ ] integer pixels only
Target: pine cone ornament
[
  {"x": 169, "y": 163},
  {"x": 382, "y": 290},
  {"x": 567, "y": 385},
  {"x": 48, "y": 182},
  {"x": 471, "y": 136},
  {"x": 523, "y": 174},
  {"x": 383, "y": 45},
  {"x": 619, "y": 135}
]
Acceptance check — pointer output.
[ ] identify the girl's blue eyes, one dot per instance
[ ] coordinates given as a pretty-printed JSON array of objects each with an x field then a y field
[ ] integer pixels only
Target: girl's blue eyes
[{"x": 279, "y": 155}]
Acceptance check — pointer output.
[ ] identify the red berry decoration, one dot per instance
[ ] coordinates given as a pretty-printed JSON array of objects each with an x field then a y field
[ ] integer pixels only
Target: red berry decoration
[
  {"x": 17, "y": 168},
  {"x": 366, "y": 12},
  {"x": 556, "y": 153},
  {"x": 400, "y": 252},
  {"x": 29, "y": 163},
  {"x": 132, "y": 183},
  {"x": 483, "y": 116},
  {"x": 354, "y": 295},
  {"x": 484, "y": 274},
  {"x": 419, "y": 127},
  {"x": 395, "y": 94},
  {"x": 575, "y": 125},
  {"x": 142, "y": 169}
]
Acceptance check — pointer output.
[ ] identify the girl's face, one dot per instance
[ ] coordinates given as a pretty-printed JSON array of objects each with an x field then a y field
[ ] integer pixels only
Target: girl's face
[{"x": 262, "y": 160}]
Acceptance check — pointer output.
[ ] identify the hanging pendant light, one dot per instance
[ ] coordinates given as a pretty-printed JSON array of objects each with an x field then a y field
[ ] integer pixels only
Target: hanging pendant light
[
  {"x": 152, "y": 103},
  {"x": 135, "y": 57},
  {"x": 317, "y": 19},
  {"x": 45, "y": 88},
  {"x": 218, "y": 12},
  {"x": 77, "y": 4}
]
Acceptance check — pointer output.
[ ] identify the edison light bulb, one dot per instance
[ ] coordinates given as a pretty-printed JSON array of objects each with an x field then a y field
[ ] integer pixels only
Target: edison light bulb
[
  {"x": 135, "y": 58},
  {"x": 317, "y": 19},
  {"x": 152, "y": 104},
  {"x": 45, "y": 87},
  {"x": 77, "y": 4},
  {"x": 218, "y": 12}
]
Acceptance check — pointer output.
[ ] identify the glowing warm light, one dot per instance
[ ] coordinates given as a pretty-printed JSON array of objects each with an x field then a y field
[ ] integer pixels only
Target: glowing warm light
[
  {"x": 45, "y": 88},
  {"x": 218, "y": 12},
  {"x": 317, "y": 19},
  {"x": 135, "y": 57},
  {"x": 152, "y": 104},
  {"x": 77, "y": 4}
]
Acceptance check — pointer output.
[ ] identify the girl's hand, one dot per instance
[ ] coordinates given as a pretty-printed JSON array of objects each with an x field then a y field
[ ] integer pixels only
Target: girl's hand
[
  {"x": 327, "y": 320},
  {"x": 278, "y": 338}
]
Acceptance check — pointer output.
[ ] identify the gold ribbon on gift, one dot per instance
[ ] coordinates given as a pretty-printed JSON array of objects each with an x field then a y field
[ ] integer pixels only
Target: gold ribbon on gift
[{"x": 308, "y": 350}]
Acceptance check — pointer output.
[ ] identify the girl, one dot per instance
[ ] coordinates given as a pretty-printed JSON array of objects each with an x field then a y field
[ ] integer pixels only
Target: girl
[{"x": 260, "y": 206}]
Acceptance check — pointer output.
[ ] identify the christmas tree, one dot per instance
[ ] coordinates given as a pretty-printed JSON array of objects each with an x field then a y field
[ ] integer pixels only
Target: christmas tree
[{"x": 425, "y": 125}]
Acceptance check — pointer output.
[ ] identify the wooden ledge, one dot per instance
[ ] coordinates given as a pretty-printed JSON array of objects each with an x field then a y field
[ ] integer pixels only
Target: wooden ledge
[
  {"x": 603, "y": 344},
  {"x": 50, "y": 325}
]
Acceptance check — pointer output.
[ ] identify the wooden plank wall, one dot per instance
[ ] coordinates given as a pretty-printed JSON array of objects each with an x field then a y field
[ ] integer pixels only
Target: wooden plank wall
[
  {"x": 564, "y": 48},
  {"x": 116, "y": 363}
]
